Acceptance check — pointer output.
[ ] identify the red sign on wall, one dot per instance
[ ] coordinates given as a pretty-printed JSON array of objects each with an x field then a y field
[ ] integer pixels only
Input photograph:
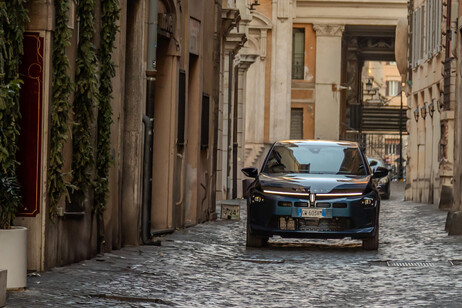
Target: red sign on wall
[{"x": 29, "y": 156}]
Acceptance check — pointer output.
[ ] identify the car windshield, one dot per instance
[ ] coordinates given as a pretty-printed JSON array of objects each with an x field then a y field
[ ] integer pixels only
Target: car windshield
[{"x": 315, "y": 158}]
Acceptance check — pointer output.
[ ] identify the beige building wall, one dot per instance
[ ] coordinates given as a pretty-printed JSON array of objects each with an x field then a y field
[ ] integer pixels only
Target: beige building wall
[
  {"x": 319, "y": 93},
  {"x": 430, "y": 154}
]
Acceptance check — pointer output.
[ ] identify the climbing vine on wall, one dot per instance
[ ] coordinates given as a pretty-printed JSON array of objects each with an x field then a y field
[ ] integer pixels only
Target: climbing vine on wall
[
  {"x": 110, "y": 15},
  {"x": 13, "y": 17},
  {"x": 62, "y": 88},
  {"x": 86, "y": 83}
]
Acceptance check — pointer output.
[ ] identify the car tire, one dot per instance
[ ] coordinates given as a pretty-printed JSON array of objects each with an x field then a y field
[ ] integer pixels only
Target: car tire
[
  {"x": 372, "y": 243},
  {"x": 255, "y": 241}
]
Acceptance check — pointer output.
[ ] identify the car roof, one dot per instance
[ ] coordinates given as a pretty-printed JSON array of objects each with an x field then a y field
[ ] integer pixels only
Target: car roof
[{"x": 319, "y": 142}]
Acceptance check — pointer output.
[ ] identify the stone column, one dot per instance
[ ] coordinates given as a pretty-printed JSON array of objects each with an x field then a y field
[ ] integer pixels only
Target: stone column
[
  {"x": 243, "y": 63},
  {"x": 281, "y": 62},
  {"x": 234, "y": 42},
  {"x": 328, "y": 76}
]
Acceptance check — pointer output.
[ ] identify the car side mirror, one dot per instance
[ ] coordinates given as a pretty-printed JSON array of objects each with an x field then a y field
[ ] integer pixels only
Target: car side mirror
[
  {"x": 380, "y": 172},
  {"x": 251, "y": 172}
]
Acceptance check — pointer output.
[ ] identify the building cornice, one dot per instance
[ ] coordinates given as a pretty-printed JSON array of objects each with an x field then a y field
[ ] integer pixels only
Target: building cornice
[
  {"x": 328, "y": 29},
  {"x": 234, "y": 42},
  {"x": 230, "y": 18},
  {"x": 244, "y": 61}
]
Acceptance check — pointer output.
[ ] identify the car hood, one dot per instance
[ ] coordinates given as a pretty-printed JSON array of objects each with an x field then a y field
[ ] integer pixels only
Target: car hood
[{"x": 314, "y": 183}]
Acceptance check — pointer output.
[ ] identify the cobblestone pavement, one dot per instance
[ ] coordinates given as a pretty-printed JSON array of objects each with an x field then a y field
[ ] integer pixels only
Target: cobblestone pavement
[{"x": 209, "y": 266}]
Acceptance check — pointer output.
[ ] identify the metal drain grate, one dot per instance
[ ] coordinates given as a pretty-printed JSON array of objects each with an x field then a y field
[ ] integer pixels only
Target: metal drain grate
[{"x": 409, "y": 264}]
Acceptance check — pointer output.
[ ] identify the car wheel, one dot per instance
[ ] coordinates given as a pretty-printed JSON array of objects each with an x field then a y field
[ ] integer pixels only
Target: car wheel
[
  {"x": 255, "y": 241},
  {"x": 372, "y": 243}
]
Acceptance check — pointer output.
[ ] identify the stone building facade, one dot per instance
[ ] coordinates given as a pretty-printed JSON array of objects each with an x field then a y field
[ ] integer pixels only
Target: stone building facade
[
  {"x": 306, "y": 80},
  {"x": 163, "y": 177},
  {"x": 431, "y": 81}
]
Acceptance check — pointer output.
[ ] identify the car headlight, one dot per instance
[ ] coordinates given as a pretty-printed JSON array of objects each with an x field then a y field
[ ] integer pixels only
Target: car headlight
[
  {"x": 369, "y": 201},
  {"x": 256, "y": 199},
  {"x": 383, "y": 180}
]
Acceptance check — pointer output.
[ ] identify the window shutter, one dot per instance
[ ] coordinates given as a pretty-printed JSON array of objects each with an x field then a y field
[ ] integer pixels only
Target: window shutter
[
  {"x": 439, "y": 16},
  {"x": 414, "y": 38}
]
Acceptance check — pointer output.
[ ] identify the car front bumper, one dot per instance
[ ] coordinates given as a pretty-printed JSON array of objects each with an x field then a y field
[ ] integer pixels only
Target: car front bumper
[{"x": 342, "y": 217}]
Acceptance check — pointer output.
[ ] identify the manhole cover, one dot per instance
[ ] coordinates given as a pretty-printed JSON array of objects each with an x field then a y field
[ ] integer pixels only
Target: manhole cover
[
  {"x": 409, "y": 264},
  {"x": 455, "y": 262}
]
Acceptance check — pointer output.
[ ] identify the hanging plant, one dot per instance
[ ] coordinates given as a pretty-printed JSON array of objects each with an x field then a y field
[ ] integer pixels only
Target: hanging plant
[
  {"x": 13, "y": 17},
  {"x": 61, "y": 90},
  {"x": 86, "y": 92},
  {"x": 110, "y": 15}
]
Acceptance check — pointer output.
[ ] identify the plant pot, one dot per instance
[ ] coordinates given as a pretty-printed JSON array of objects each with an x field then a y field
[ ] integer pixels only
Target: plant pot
[{"x": 13, "y": 256}]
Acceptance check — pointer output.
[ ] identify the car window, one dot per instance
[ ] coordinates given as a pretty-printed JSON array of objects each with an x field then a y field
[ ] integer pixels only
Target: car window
[{"x": 318, "y": 159}]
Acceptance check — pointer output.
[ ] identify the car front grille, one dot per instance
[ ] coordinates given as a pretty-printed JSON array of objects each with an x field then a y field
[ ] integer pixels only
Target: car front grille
[
  {"x": 324, "y": 224},
  {"x": 314, "y": 224}
]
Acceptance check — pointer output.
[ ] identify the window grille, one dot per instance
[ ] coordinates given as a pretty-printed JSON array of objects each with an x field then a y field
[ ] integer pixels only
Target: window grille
[{"x": 298, "y": 53}]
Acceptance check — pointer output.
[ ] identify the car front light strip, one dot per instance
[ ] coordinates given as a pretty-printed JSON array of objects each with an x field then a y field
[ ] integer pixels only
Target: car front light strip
[
  {"x": 286, "y": 193},
  {"x": 340, "y": 195}
]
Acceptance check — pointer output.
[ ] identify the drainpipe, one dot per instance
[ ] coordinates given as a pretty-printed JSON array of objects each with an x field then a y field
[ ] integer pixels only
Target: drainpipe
[
  {"x": 454, "y": 17},
  {"x": 216, "y": 100},
  {"x": 230, "y": 95},
  {"x": 235, "y": 145},
  {"x": 148, "y": 120}
]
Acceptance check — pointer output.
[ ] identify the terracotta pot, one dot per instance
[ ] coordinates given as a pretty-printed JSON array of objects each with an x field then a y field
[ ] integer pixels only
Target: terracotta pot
[{"x": 13, "y": 256}]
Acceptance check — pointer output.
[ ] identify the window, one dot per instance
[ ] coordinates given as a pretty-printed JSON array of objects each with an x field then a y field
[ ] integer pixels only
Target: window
[
  {"x": 433, "y": 18},
  {"x": 426, "y": 31},
  {"x": 393, "y": 87},
  {"x": 296, "y": 123},
  {"x": 417, "y": 36},
  {"x": 298, "y": 53}
]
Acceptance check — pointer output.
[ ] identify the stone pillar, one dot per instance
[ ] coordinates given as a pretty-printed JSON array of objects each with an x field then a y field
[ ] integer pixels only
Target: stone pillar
[
  {"x": 328, "y": 77},
  {"x": 233, "y": 43},
  {"x": 243, "y": 64},
  {"x": 281, "y": 62}
]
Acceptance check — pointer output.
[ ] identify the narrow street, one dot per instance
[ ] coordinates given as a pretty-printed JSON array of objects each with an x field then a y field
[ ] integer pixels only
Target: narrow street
[{"x": 209, "y": 266}]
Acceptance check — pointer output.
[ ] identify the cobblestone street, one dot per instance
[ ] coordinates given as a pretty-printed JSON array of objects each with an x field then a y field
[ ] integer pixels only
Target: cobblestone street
[{"x": 208, "y": 265}]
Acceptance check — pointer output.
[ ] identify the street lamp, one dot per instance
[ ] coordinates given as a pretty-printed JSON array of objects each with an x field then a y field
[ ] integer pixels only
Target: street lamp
[
  {"x": 416, "y": 114},
  {"x": 252, "y": 4},
  {"x": 423, "y": 110},
  {"x": 369, "y": 84},
  {"x": 431, "y": 108}
]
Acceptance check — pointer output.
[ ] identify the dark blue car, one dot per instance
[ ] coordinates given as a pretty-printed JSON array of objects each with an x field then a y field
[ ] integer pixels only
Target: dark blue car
[{"x": 314, "y": 189}]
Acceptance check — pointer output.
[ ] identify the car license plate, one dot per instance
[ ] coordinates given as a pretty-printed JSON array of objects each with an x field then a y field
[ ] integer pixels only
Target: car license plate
[{"x": 315, "y": 213}]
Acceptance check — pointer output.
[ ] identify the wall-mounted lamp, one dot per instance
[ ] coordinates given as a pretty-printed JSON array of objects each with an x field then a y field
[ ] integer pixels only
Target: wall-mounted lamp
[
  {"x": 369, "y": 84},
  {"x": 416, "y": 114},
  {"x": 440, "y": 103},
  {"x": 423, "y": 110},
  {"x": 252, "y": 4},
  {"x": 431, "y": 108}
]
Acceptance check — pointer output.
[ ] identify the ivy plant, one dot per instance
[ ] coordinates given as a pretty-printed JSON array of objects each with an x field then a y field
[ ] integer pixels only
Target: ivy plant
[
  {"x": 62, "y": 88},
  {"x": 110, "y": 14},
  {"x": 86, "y": 82},
  {"x": 13, "y": 17}
]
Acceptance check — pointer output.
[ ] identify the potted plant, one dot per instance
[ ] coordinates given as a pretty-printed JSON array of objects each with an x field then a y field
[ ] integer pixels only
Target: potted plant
[{"x": 13, "y": 239}]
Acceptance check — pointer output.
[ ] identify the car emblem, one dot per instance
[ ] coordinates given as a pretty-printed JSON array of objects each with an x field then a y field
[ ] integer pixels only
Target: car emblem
[{"x": 312, "y": 198}]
